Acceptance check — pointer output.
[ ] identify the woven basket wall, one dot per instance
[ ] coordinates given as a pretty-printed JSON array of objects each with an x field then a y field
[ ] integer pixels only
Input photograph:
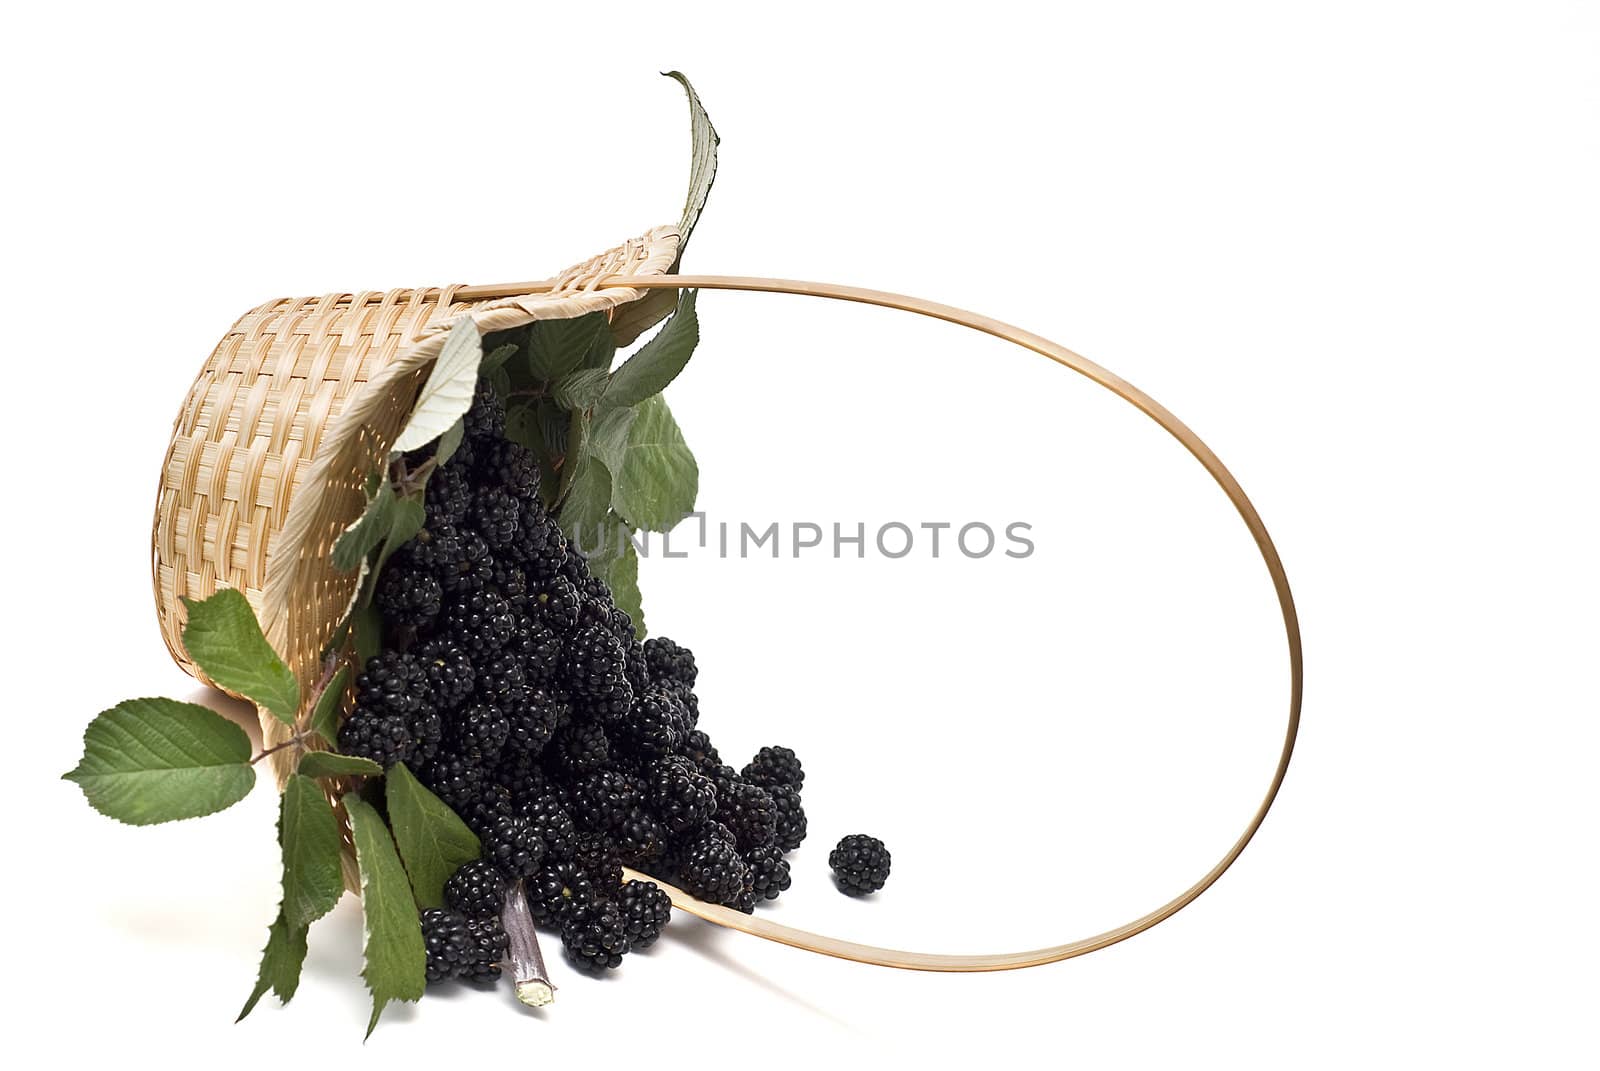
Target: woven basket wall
[{"x": 301, "y": 399}]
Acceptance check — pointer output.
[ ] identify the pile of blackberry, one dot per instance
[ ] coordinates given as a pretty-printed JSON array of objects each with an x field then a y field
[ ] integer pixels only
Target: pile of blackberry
[{"x": 514, "y": 688}]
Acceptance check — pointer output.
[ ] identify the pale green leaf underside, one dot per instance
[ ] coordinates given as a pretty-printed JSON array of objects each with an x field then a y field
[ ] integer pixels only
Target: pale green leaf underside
[
  {"x": 657, "y": 482},
  {"x": 447, "y": 394}
]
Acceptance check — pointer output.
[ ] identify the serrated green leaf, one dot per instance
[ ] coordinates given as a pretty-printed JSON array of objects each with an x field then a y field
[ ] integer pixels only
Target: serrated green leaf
[
  {"x": 447, "y": 394},
  {"x": 450, "y": 441},
  {"x": 368, "y": 530},
  {"x": 332, "y": 764},
  {"x": 433, "y": 840},
  {"x": 600, "y": 353},
  {"x": 577, "y": 447},
  {"x": 496, "y": 358},
  {"x": 555, "y": 424},
  {"x": 608, "y": 437},
  {"x": 405, "y": 521},
  {"x": 325, "y": 715},
  {"x": 556, "y": 347},
  {"x": 159, "y": 760},
  {"x": 394, "y": 954},
  {"x": 656, "y": 484},
  {"x": 620, "y": 571},
  {"x": 309, "y": 833},
  {"x": 587, "y": 502},
  {"x": 582, "y": 388},
  {"x": 226, "y": 643},
  {"x": 281, "y": 961},
  {"x": 658, "y": 362},
  {"x": 522, "y": 426}
]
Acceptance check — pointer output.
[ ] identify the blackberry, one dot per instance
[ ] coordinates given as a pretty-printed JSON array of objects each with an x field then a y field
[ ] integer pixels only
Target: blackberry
[
  {"x": 596, "y": 937},
  {"x": 520, "y": 772},
  {"x": 541, "y": 547},
  {"x": 634, "y": 666},
  {"x": 534, "y": 720},
  {"x": 593, "y": 662},
  {"x": 553, "y": 824},
  {"x": 487, "y": 417},
  {"x": 697, "y": 747},
  {"x": 501, "y": 680},
  {"x": 724, "y": 777},
  {"x": 490, "y": 945},
  {"x": 481, "y": 622},
  {"x": 554, "y": 601},
  {"x": 641, "y": 838},
  {"x": 509, "y": 579},
  {"x": 653, "y": 728},
  {"x": 596, "y": 854},
  {"x": 602, "y": 799},
  {"x": 392, "y": 683},
  {"x": 769, "y": 872},
  {"x": 497, "y": 516},
  {"x": 556, "y": 890},
  {"x": 686, "y": 696},
  {"x": 670, "y": 662},
  {"x": 491, "y": 803},
  {"x": 427, "y": 734},
  {"x": 513, "y": 846},
  {"x": 508, "y": 466},
  {"x": 457, "y": 557},
  {"x": 710, "y": 868},
  {"x": 449, "y": 944},
  {"x": 791, "y": 817},
  {"x": 408, "y": 597},
  {"x": 477, "y": 890},
  {"x": 645, "y": 909},
  {"x": 448, "y": 669},
  {"x": 749, "y": 813},
  {"x": 680, "y": 796},
  {"x": 775, "y": 766},
  {"x": 578, "y": 749},
  {"x": 448, "y": 495},
  {"x": 539, "y": 648},
  {"x": 860, "y": 864},
  {"x": 454, "y": 780},
  {"x": 479, "y": 732},
  {"x": 383, "y": 738}
]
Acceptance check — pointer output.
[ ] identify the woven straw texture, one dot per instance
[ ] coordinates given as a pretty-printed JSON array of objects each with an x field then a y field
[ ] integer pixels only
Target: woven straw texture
[{"x": 296, "y": 405}]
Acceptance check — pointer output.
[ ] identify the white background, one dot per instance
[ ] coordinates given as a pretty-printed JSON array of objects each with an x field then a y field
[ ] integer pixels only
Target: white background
[{"x": 1353, "y": 245}]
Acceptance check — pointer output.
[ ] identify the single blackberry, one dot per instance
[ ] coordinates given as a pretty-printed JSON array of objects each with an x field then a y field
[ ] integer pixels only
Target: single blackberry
[
  {"x": 860, "y": 864},
  {"x": 448, "y": 669},
  {"x": 724, "y": 777},
  {"x": 578, "y": 749},
  {"x": 553, "y": 824},
  {"x": 490, "y": 945},
  {"x": 488, "y": 805},
  {"x": 497, "y": 516},
  {"x": 501, "y": 680},
  {"x": 670, "y": 662},
  {"x": 710, "y": 868},
  {"x": 448, "y": 495},
  {"x": 453, "y": 779},
  {"x": 653, "y": 727},
  {"x": 513, "y": 846},
  {"x": 697, "y": 747},
  {"x": 449, "y": 944},
  {"x": 645, "y": 910},
  {"x": 427, "y": 734},
  {"x": 791, "y": 817},
  {"x": 383, "y": 738},
  {"x": 510, "y": 580},
  {"x": 408, "y": 596},
  {"x": 745, "y": 901},
  {"x": 541, "y": 547},
  {"x": 775, "y": 766},
  {"x": 554, "y": 601},
  {"x": 593, "y": 663},
  {"x": 487, "y": 417},
  {"x": 481, "y": 622},
  {"x": 678, "y": 794},
  {"x": 596, "y": 937},
  {"x": 508, "y": 466},
  {"x": 534, "y": 720},
  {"x": 457, "y": 557},
  {"x": 748, "y": 811},
  {"x": 686, "y": 696},
  {"x": 641, "y": 838},
  {"x": 393, "y": 683},
  {"x": 596, "y": 853},
  {"x": 769, "y": 872},
  {"x": 479, "y": 732},
  {"x": 556, "y": 890},
  {"x": 634, "y": 666},
  {"x": 477, "y": 890},
  {"x": 602, "y": 799},
  {"x": 520, "y": 772},
  {"x": 537, "y": 644}
]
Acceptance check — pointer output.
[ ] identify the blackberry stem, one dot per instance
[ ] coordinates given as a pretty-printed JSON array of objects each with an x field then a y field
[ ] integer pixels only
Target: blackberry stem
[{"x": 527, "y": 962}]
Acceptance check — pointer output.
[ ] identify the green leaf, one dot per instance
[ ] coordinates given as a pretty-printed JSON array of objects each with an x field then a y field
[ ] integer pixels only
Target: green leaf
[
  {"x": 280, "y": 964},
  {"x": 588, "y": 501},
  {"x": 450, "y": 441},
  {"x": 620, "y": 571},
  {"x": 405, "y": 521},
  {"x": 433, "y": 840},
  {"x": 369, "y": 529},
  {"x": 600, "y": 352},
  {"x": 159, "y": 760},
  {"x": 226, "y": 643},
  {"x": 325, "y": 715},
  {"x": 556, "y": 347},
  {"x": 656, "y": 484},
  {"x": 496, "y": 358},
  {"x": 393, "y": 949},
  {"x": 447, "y": 394},
  {"x": 367, "y": 632},
  {"x": 522, "y": 426},
  {"x": 608, "y": 438},
  {"x": 312, "y": 880},
  {"x": 577, "y": 447},
  {"x": 658, "y": 361},
  {"x": 582, "y": 388},
  {"x": 332, "y": 764}
]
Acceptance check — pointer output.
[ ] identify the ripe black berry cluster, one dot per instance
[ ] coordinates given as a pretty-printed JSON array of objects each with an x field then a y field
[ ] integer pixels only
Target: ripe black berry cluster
[{"x": 515, "y": 689}]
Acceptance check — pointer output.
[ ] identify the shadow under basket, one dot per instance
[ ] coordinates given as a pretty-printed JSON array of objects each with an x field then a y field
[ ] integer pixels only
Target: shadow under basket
[{"x": 304, "y": 397}]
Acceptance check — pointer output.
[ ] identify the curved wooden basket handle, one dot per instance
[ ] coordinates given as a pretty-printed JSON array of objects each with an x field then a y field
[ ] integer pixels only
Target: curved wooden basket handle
[{"x": 924, "y": 961}]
